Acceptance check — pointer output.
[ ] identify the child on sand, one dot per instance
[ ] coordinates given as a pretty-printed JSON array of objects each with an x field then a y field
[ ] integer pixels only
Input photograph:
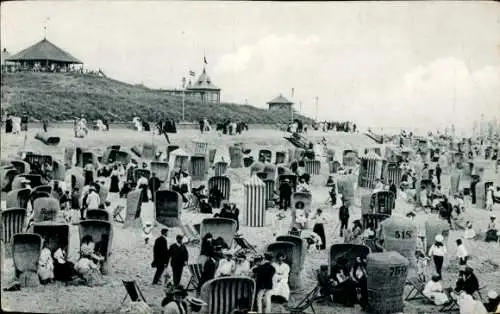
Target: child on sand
[{"x": 147, "y": 229}]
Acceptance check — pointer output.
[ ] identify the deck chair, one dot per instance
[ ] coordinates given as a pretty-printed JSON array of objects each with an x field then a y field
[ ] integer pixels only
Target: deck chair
[
  {"x": 117, "y": 216},
  {"x": 195, "y": 233},
  {"x": 133, "y": 291},
  {"x": 453, "y": 305},
  {"x": 196, "y": 271},
  {"x": 416, "y": 290},
  {"x": 191, "y": 238},
  {"x": 305, "y": 303},
  {"x": 244, "y": 245}
]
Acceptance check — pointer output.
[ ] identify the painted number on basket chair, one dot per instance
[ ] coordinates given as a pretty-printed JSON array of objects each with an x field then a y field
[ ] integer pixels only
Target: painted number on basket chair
[
  {"x": 397, "y": 271},
  {"x": 402, "y": 234}
]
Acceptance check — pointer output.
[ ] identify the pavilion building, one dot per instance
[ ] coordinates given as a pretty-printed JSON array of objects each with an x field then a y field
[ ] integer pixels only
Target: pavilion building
[
  {"x": 44, "y": 56},
  {"x": 280, "y": 103},
  {"x": 201, "y": 90}
]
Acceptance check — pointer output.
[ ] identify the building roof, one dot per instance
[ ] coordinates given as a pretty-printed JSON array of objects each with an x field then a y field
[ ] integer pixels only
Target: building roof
[
  {"x": 280, "y": 100},
  {"x": 203, "y": 82},
  {"x": 5, "y": 55},
  {"x": 44, "y": 50},
  {"x": 371, "y": 155}
]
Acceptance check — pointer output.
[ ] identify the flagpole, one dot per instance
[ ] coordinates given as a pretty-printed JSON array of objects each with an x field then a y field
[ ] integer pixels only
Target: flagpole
[
  {"x": 183, "y": 98},
  {"x": 291, "y": 107},
  {"x": 316, "y": 108}
]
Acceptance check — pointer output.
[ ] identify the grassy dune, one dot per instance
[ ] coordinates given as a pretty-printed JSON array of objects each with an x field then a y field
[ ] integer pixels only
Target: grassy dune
[{"x": 63, "y": 96}]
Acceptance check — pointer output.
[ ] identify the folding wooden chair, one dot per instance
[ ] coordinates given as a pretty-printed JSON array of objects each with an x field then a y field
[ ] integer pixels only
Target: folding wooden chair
[
  {"x": 195, "y": 234},
  {"x": 305, "y": 303},
  {"x": 117, "y": 216},
  {"x": 133, "y": 291},
  {"x": 417, "y": 291},
  {"x": 244, "y": 245},
  {"x": 191, "y": 239},
  {"x": 196, "y": 270}
]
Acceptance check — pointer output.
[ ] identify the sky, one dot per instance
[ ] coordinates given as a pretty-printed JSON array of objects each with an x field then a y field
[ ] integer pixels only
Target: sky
[{"x": 381, "y": 64}]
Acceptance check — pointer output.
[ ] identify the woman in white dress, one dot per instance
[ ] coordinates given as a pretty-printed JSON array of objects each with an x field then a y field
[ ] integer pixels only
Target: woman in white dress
[
  {"x": 280, "y": 279},
  {"x": 300, "y": 217},
  {"x": 45, "y": 265},
  {"x": 434, "y": 290},
  {"x": 278, "y": 221},
  {"x": 242, "y": 267},
  {"x": 489, "y": 199}
]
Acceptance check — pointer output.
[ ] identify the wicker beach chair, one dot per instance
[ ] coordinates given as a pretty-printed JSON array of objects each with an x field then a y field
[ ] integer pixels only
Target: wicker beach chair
[{"x": 225, "y": 294}]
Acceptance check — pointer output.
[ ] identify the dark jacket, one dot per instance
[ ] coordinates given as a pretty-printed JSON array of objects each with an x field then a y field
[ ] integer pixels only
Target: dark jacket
[
  {"x": 178, "y": 255},
  {"x": 393, "y": 188},
  {"x": 160, "y": 252},
  {"x": 343, "y": 212},
  {"x": 154, "y": 185},
  {"x": 285, "y": 189},
  {"x": 438, "y": 171},
  {"x": 264, "y": 276},
  {"x": 208, "y": 273}
]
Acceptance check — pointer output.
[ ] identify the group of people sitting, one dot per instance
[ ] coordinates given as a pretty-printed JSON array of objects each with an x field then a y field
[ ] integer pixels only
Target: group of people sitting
[
  {"x": 346, "y": 284},
  {"x": 88, "y": 270},
  {"x": 467, "y": 285}
]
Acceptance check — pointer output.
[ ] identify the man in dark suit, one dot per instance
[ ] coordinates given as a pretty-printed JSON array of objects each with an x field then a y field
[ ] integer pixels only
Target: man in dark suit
[
  {"x": 264, "y": 283},
  {"x": 160, "y": 255},
  {"x": 154, "y": 185},
  {"x": 208, "y": 272},
  {"x": 179, "y": 258},
  {"x": 285, "y": 194}
]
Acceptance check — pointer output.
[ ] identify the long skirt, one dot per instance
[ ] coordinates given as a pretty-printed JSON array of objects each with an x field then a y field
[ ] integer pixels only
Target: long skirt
[
  {"x": 89, "y": 177},
  {"x": 144, "y": 194},
  {"x": 93, "y": 278},
  {"x": 320, "y": 231},
  {"x": 114, "y": 185},
  {"x": 281, "y": 289},
  {"x": 63, "y": 272}
]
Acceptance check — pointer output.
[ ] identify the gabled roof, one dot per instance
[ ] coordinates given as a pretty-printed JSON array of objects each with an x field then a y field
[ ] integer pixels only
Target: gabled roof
[
  {"x": 203, "y": 82},
  {"x": 280, "y": 100},
  {"x": 44, "y": 50}
]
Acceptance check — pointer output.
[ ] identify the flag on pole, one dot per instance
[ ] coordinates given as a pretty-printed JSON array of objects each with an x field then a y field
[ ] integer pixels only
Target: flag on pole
[
  {"x": 205, "y": 60},
  {"x": 191, "y": 73},
  {"x": 293, "y": 91}
]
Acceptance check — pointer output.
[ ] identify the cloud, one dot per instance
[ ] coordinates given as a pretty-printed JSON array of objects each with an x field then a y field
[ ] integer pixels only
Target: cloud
[{"x": 438, "y": 94}]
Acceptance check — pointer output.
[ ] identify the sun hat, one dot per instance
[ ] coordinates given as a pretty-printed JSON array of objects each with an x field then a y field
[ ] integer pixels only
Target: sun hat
[
  {"x": 196, "y": 301},
  {"x": 492, "y": 294},
  {"x": 439, "y": 238}
]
